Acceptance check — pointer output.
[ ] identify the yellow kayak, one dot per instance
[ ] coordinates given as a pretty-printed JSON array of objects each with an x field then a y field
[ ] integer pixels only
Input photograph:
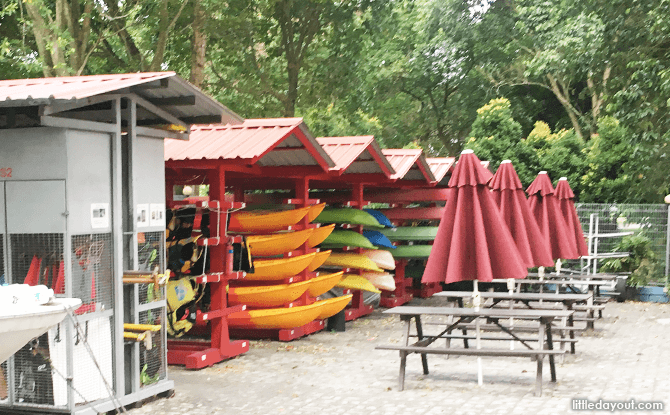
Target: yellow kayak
[
  {"x": 357, "y": 282},
  {"x": 332, "y": 306},
  {"x": 323, "y": 283},
  {"x": 319, "y": 235},
  {"x": 287, "y": 318},
  {"x": 268, "y": 295},
  {"x": 319, "y": 259},
  {"x": 264, "y": 221},
  {"x": 351, "y": 260},
  {"x": 315, "y": 211},
  {"x": 274, "y": 318},
  {"x": 278, "y": 269},
  {"x": 278, "y": 243}
]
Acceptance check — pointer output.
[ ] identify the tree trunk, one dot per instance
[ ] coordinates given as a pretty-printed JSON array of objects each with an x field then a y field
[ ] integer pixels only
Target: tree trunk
[
  {"x": 597, "y": 97},
  {"x": 164, "y": 28},
  {"x": 563, "y": 97},
  {"x": 199, "y": 46},
  {"x": 41, "y": 33},
  {"x": 292, "y": 94}
]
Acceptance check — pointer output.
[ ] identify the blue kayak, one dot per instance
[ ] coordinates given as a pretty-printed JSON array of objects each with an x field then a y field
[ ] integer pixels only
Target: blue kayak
[
  {"x": 378, "y": 239},
  {"x": 381, "y": 218}
]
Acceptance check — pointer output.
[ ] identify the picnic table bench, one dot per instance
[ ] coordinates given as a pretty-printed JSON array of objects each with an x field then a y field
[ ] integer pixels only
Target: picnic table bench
[
  {"x": 465, "y": 315},
  {"x": 568, "y": 301},
  {"x": 593, "y": 283}
]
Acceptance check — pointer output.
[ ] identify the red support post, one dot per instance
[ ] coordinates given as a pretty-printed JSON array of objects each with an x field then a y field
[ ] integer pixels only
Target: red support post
[{"x": 197, "y": 354}]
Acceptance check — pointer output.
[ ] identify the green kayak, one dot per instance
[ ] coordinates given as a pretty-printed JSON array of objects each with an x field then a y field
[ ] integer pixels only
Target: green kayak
[
  {"x": 411, "y": 233},
  {"x": 340, "y": 238},
  {"x": 349, "y": 216},
  {"x": 411, "y": 251}
]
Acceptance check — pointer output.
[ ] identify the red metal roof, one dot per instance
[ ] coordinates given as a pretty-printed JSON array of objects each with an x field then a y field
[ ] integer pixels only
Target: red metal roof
[
  {"x": 409, "y": 164},
  {"x": 359, "y": 154},
  {"x": 440, "y": 166},
  {"x": 266, "y": 142},
  {"x": 150, "y": 85},
  {"x": 73, "y": 87}
]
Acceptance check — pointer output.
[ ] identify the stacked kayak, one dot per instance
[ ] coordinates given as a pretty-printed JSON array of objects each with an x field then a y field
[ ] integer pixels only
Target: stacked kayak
[
  {"x": 286, "y": 318},
  {"x": 263, "y": 221},
  {"x": 357, "y": 253},
  {"x": 270, "y": 292}
]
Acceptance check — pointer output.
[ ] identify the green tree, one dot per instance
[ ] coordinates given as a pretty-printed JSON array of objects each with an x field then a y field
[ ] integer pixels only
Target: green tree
[
  {"x": 259, "y": 49},
  {"x": 558, "y": 46},
  {"x": 607, "y": 177},
  {"x": 495, "y": 137},
  {"x": 419, "y": 74},
  {"x": 561, "y": 154}
]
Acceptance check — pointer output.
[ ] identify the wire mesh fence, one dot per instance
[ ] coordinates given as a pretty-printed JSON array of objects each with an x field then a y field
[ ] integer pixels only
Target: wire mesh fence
[
  {"x": 35, "y": 259},
  {"x": 92, "y": 277},
  {"x": 152, "y": 355},
  {"x": 151, "y": 255},
  {"x": 650, "y": 220}
]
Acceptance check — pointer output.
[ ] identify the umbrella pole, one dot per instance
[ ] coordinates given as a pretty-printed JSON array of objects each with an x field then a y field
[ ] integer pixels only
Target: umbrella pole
[
  {"x": 510, "y": 289},
  {"x": 477, "y": 301},
  {"x": 540, "y": 274}
]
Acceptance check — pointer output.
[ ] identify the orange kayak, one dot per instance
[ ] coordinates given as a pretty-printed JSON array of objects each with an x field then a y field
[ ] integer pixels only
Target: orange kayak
[
  {"x": 264, "y": 221},
  {"x": 268, "y": 295},
  {"x": 315, "y": 211},
  {"x": 319, "y": 235},
  {"x": 323, "y": 283},
  {"x": 287, "y": 318},
  {"x": 278, "y": 269},
  {"x": 332, "y": 306},
  {"x": 319, "y": 259},
  {"x": 278, "y": 243},
  {"x": 275, "y": 318}
]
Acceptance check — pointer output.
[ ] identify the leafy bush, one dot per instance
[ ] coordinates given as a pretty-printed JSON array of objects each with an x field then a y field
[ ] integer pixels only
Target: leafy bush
[
  {"x": 496, "y": 136},
  {"x": 641, "y": 263}
]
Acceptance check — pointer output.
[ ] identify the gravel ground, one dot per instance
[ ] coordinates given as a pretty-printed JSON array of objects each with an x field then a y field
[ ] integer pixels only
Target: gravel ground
[{"x": 626, "y": 357}]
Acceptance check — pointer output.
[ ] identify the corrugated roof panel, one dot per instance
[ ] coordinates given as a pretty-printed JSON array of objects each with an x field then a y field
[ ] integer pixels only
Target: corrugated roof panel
[
  {"x": 356, "y": 155},
  {"x": 405, "y": 159},
  {"x": 440, "y": 166},
  {"x": 75, "y": 89},
  {"x": 252, "y": 139},
  {"x": 401, "y": 159},
  {"x": 344, "y": 150}
]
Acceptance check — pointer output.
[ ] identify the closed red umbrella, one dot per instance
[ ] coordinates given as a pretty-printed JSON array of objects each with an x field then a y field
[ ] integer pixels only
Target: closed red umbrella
[
  {"x": 547, "y": 213},
  {"x": 566, "y": 201},
  {"x": 511, "y": 200},
  {"x": 472, "y": 241}
]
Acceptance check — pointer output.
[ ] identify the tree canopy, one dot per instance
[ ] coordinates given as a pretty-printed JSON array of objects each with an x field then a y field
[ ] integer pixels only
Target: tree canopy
[{"x": 579, "y": 89}]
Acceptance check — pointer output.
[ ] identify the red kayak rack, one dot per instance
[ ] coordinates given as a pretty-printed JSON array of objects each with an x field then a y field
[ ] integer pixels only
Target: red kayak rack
[{"x": 196, "y": 354}]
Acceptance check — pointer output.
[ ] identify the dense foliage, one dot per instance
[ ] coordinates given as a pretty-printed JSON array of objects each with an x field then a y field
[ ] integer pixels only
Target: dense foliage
[{"x": 586, "y": 84}]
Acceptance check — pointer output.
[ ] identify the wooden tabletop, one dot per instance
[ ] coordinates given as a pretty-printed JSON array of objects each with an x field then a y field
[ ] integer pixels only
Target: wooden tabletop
[
  {"x": 567, "y": 281},
  {"x": 517, "y": 296},
  {"x": 567, "y": 276},
  {"x": 483, "y": 312}
]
